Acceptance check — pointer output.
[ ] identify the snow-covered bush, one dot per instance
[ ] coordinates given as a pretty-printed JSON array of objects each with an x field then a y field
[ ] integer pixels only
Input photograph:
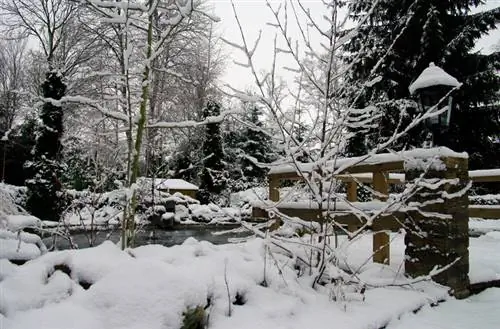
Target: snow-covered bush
[
  {"x": 14, "y": 243},
  {"x": 12, "y": 198}
]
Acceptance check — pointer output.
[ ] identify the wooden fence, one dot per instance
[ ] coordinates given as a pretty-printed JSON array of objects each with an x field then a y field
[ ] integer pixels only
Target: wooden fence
[{"x": 380, "y": 171}]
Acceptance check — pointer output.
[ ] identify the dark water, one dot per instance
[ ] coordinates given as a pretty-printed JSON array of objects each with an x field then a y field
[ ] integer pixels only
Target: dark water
[{"x": 145, "y": 236}]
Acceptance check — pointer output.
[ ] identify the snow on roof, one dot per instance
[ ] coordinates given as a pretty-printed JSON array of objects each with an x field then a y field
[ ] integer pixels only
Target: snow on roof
[
  {"x": 174, "y": 184},
  {"x": 433, "y": 76},
  {"x": 418, "y": 153}
]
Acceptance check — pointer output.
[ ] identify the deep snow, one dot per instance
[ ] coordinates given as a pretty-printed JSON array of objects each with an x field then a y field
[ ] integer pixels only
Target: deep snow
[{"x": 151, "y": 286}]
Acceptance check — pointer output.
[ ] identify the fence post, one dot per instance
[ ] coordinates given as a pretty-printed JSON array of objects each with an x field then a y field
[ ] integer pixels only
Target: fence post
[
  {"x": 352, "y": 189},
  {"x": 352, "y": 196},
  {"x": 437, "y": 234},
  {"x": 381, "y": 246},
  {"x": 274, "y": 185}
]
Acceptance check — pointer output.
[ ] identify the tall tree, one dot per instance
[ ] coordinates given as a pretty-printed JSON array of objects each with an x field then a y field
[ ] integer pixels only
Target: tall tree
[
  {"x": 396, "y": 40},
  {"x": 213, "y": 177},
  {"x": 15, "y": 150},
  {"x": 45, "y": 21},
  {"x": 248, "y": 147},
  {"x": 45, "y": 169}
]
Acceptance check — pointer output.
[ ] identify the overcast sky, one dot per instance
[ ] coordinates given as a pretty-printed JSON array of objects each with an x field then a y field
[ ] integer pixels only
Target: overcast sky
[{"x": 254, "y": 15}]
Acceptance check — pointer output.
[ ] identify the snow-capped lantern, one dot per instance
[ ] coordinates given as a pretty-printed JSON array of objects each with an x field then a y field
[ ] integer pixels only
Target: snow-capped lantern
[{"x": 431, "y": 87}]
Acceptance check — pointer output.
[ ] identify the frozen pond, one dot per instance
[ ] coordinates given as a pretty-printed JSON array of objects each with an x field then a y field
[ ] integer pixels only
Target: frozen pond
[{"x": 147, "y": 235}]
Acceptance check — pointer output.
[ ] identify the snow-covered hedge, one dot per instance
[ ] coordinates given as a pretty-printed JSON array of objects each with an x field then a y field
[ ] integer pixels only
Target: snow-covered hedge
[
  {"x": 14, "y": 243},
  {"x": 12, "y": 198}
]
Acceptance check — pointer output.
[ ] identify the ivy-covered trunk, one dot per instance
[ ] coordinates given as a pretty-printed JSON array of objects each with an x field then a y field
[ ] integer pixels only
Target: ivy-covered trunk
[{"x": 45, "y": 169}]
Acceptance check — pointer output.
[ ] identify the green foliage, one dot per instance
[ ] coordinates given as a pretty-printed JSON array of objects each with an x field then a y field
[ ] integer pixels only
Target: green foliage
[
  {"x": 213, "y": 177},
  {"x": 42, "y": 196},
  {"x": 45, "y": 170},
  {"x": 17, "y": 148},
  {"x": 79, "y": 173},
  {"x": 247, "y": 148},
  {"x": 417, "y": 33},
  {"x": 186, "y": 161},
  {"x": 194, "y": 318}
]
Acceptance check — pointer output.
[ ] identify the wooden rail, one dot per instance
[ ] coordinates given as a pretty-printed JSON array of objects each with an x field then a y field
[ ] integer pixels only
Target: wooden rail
[{"x": 380, "y": 171}]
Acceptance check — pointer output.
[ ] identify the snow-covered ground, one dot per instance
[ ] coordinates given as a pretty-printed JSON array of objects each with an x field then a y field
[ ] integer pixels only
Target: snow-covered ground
[
  {"x": 151, "y": 286},
  {"x": 478, "y": 226},
  {"x": 480, "y": 311}
]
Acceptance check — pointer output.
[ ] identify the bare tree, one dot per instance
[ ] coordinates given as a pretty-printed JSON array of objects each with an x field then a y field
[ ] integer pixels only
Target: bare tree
[
  {"x": 313, "y": 44},
  {"x": 143, "y": 32},
  {"x": 12, "y": 80},
  {"x": 44, "y": 20}
]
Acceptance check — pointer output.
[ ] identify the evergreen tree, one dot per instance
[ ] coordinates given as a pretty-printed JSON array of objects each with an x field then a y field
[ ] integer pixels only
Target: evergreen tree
[
  {"x": 45, "y": 169},
  {"x": 255, "y": 145},
  {"x": 246, "y": 147},
  {"x": 186, "y": 161},
  {"x": 413, "y": 34},
  {"x": 17, "y": 148},
  {"x": 79, "y": 172},
  {"x": 213, "y": 178}
]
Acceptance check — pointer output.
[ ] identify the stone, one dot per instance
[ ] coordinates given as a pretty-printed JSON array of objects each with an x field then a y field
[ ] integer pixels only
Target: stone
[{"x": 437, "y": 233}]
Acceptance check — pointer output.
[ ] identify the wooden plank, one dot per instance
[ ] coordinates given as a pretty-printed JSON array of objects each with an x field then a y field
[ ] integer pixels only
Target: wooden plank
[
  {"x": 484, "y": 212},
  {"x": 474, "y": 175},
  {"x": 286, "y": 175},
  {"x": 381, "y": 246},
  {"x": 363, "y": 179},
  {"x": 390, "y": 222},
  {"x": 483, "y": 178},
  {"x": 355, "y": 169},
  {"x": 379, "y": 167}
]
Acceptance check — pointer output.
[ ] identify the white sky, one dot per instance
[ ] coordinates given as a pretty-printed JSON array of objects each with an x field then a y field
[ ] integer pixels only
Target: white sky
[{"x": 254, "y": 15}]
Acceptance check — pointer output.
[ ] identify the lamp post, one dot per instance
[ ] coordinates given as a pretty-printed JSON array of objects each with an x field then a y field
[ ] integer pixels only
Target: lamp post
[{"x": 431, "y": 88}]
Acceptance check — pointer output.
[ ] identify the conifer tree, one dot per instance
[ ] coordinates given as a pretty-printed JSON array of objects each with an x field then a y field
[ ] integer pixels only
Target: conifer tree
[
  {"x": 247, "y": 147},
  {"x": 212, "y": 177},
  {"x": 45, "y": 169},
  {"x": 17, "y": 148},
  {"x": 256, "y": 148},
  {"x": 404, "y": 37}
]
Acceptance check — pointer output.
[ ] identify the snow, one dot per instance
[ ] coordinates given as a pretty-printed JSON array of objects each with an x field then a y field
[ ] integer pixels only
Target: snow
[
  {"x": 17, "y": 250},
  {"x": 18, "y": 222},
  {"x": 484, "y": 173},
  {"x": 480, "y": 311},
  {"x": 20, "y": 245},
  {"x": 484, "y": 257},
  {"x": 332, "y": 205},
  {"x": 368, "y": 177},
  {"x": 482, "y": 226},
  {"x": 241, "y": 198},
  {"x": 433, "y": 76},
  {"x": 174, "y": 184},
  {"x": 151, "y": 286},
  {"x": 486, "y": 206},
  {"x": 345, "y": 163},
  {"x": 8, "y": 197}
]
